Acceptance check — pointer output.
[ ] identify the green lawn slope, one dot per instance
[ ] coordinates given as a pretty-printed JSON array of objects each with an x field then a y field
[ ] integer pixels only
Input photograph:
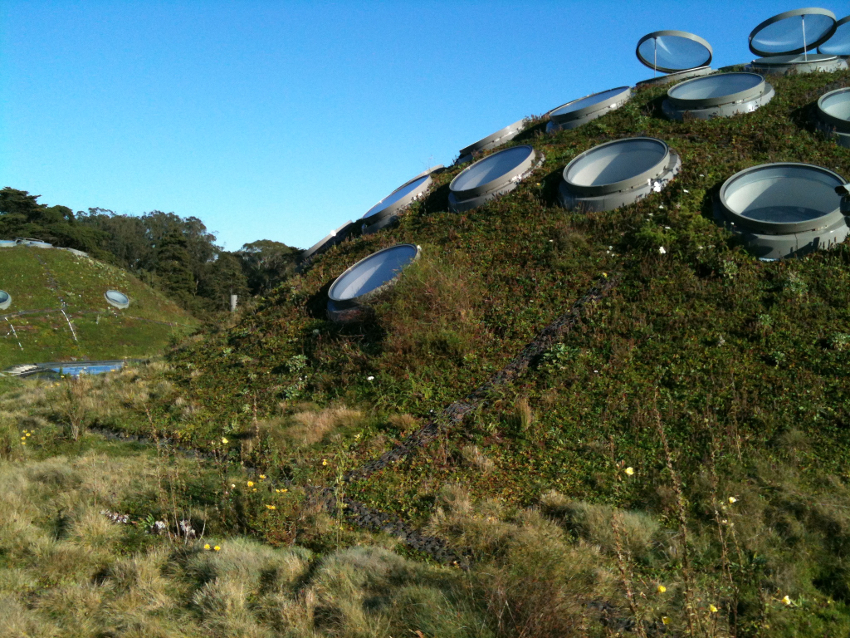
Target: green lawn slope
[{"x": 41, "y": 280}]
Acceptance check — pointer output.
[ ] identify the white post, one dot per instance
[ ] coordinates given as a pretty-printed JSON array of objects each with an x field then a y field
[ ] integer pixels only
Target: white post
[{"x": 233, "y": 299}]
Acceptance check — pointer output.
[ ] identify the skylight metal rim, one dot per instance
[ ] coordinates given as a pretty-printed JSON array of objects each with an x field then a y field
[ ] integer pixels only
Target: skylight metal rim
[
  {"x": 840, "y": 23},
  {"x": 458, "y": 205},
  {"x": 399, "y": 205},
  {"x": 6, "y": 301},
  {"x": 351, "y": 302},
  {"x": 495, "y": 139},
  {"x": 739, "y": 96},
  {"x": 117, "y": 304},
  {"x": 790, "y": 14},
  {"x": 696, "y": 72},
  {"x": 500, "y": 181},
  {"x": 327, "y": 242},
  {"x": 778, "y": 228},
  {"x": 839, "y": 124},
  {"x": 722, "y": 110},
  {"x": 680, "y": 34},
  {"x": 629, "y": 183},
  {"x": 615, "y": 101}
]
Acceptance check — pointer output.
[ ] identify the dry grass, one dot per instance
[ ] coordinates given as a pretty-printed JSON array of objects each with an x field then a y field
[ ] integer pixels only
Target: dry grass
[{"x": 308, "y": 426}]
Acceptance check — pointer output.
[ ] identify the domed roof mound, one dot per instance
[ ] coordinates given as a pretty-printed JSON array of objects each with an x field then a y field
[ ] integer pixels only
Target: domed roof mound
[{"x": 56, "y": 308}]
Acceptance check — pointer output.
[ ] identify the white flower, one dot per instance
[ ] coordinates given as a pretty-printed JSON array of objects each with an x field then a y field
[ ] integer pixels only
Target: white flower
[
  {"x": 662, "y": 250},
  {"x": 370, "y": 378},
  {"x": 686, "y": 190}
]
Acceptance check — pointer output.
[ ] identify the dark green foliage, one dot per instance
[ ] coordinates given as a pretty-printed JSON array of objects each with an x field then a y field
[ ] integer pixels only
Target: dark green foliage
[
  {"x": 266, "y": 264},
  {"x": 22, "y": 216}
]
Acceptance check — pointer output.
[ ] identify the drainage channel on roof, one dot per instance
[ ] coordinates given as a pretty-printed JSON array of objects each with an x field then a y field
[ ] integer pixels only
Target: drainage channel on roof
[
  {"x": 839, "y": 43},
  {"x": 583, "y": 110},
  {"x": 388, "y": 209},
  {"x": 491, "y": 177},
  {"x": 681, "y": 54},
  {"x": 617, "y": 174},
  {"x": 833, "y": 113},
  {"x": 367, "y": 278},
  {"x": 720, "y": 95},
  {"x": 5, "y": 300},
  {"x": 117, "y": 299},
  {"x": 784, "y": 42},
  {"x": 326, "y": 243},
  {"x": 502, "y": 136},
  {"x": 785, "y": 209}
]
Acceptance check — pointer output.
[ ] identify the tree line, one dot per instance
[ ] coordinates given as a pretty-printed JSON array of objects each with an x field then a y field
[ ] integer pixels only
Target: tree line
[{"x": 174, "y": 254}]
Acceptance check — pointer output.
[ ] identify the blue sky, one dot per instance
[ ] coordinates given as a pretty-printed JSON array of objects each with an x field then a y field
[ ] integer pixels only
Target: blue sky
[{"x": 282, "y": 120}]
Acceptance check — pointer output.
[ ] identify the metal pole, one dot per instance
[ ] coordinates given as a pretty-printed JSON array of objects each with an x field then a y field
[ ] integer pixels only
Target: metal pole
[{"x": 805, "y": 52}]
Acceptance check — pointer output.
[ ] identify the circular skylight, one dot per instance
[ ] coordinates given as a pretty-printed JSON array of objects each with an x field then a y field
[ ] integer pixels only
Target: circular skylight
[
  {"x": 398, "y": 200},
  {"x": 5, "y": 300},
  {"x": 370, "y": 275},
  {"x": 839, "y": 43},
  {"x": 801, "y": 63},
  {"x": 326, "y": 243},
  {"x": 490, "y": 142},
  {"x": 673, "y": 51},
  {"x": 792, "y": 32},
  {"x": 784, "y": 209},
  {"x": 117, "y": 299},
  {"x": 617, "y": 174},
  {"x": 834, "y": 115},
  {"x": 672, "y": 78},
  {"x": 720, "y": 95},
  {"x": 581, "y": 111},
  {"x": 490, "y": 177}
]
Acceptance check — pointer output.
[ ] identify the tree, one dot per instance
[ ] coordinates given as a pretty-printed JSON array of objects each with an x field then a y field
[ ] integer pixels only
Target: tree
[{"x": 267, "y": 264}]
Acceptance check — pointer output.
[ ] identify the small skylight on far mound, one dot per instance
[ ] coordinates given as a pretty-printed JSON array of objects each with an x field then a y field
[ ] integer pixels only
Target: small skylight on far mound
[
  {"x": 367, "y": 278},
  {"x": 617, "y": 174},
  {"x": 784, "y": 42},
  {"x": 833, "y": 112},
  {"x": 785, "y": 209},
  {"x": 117, "y": 299},
  {"x": 720, "y": 95},
  {"x": 495, "y": 140},
  {"x": 586, "y": 109},
  {"x": 5, "y": 300},
  {"x": 681, "y": 54},
  {"x": 491, "y": 177}
]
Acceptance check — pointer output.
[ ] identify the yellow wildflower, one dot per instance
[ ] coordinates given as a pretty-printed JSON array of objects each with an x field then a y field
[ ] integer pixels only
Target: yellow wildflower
[
  {"x": 665, "y": 620},
  {"x": 271, "y": 507},
  {"x": 23, "y": 438},
  {"x": 661, "y": 589},
  {"x": 206, "y": 546},
  {"x": 224, "y": 440},
  {"x": 324, "y": 461},
  {"x": 630, "y": 471},
  {"x": 712, "y": 609},
  {"x": 732, "y": 500},
  {"x": 254, "y": 490},
  {"x": 250, "y": 483},
  {"x": 786, "y": 600},
  {"x": 29, "y": 433},
  {"x": 216, "y": 548},
  {"x": 262, "y": 477}
]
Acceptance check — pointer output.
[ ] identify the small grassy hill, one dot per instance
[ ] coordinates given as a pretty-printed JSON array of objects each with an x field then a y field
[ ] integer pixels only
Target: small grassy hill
[{"x": 40, "y": 280}]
